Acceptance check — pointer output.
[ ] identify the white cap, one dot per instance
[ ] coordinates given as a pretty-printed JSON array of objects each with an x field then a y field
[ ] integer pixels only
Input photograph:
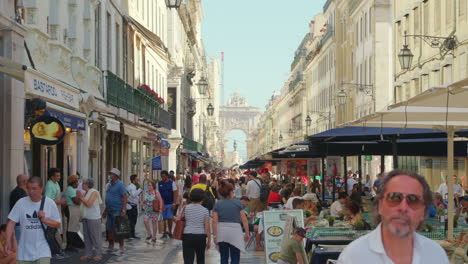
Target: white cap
[
  {"x": 310, "y": 197},
  {"x": 115, "y": 171}
]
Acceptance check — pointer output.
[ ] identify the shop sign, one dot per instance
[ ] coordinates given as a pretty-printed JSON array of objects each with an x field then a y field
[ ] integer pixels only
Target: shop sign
[
  {"x": 47, "y": 130},
  {"x": 274, "y": 227},
  {"x": 48, "y": 88},
  {"x": 156, "y": 163},
  {"x": 68, "y": 120},
  {"x": 368, "y": 158}
]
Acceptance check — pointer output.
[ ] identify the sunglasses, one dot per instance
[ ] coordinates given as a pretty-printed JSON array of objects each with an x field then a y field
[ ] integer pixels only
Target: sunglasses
[{"x": 414, "y": 201}]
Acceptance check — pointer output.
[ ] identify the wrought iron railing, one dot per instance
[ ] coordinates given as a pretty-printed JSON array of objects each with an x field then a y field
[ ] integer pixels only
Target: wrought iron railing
[{"x": 137, "y": 101}]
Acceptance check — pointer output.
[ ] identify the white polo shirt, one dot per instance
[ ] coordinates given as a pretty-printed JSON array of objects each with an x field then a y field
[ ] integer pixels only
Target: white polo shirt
[{"x": 370, "y": 249}]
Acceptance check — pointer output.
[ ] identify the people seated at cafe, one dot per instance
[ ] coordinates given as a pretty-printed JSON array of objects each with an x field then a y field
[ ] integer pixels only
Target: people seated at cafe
[
  {"x": 253, "y": 223},
  {"x": 274, "y": 198},
  {"x": 356, "y": 194},
  {"x": 296, "y": 194},
  {"x": 337, "y": 208},
  {"x": 292, "y": 251},
  {"x": 353, "y": 212},
  {"x": 439, "y": 201},
  {"x": 310, "y": 203}
]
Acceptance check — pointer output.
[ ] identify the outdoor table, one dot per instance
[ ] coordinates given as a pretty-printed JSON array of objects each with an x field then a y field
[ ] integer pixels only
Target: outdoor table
[
  {"x": 331, "y": 240},
  {"x": 321, "y": 255}
]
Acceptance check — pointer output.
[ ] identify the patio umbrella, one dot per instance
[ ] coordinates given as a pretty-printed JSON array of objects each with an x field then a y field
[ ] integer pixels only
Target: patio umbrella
[{"x": 439, "y": 108}]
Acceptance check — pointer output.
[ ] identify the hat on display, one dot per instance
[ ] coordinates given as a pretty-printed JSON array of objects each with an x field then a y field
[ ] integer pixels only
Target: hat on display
[
  {"x": 246, "y": 172},
  {"x": 310, "y": 197},
  {"x": 263, "y": 170},
  {"x": 115, "y": 171}
]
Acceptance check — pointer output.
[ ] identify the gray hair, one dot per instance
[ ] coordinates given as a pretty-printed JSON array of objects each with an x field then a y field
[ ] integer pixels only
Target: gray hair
[
  {"x": 427, "y": 194},
  {"x": 89, "y": 182}
]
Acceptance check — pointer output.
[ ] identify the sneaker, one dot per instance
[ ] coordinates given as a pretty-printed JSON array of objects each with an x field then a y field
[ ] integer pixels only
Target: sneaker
[
  {"x": 169, "y": 235},
  {"x": 111, "y": 250},
  {"x": 122, "y": 251},
  {"x": 59, "y": 256},
  {"x": 153, "y": 240},
  {"x": 148, "y": 240},
  {"x": 164, "y": 236}
]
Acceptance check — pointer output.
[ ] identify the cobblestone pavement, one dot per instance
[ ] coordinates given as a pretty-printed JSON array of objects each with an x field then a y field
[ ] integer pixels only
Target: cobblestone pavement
[{"x": 164, "y": 251}]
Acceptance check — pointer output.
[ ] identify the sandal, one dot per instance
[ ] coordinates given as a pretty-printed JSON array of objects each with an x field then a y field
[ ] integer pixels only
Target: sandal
[
  {"x": 84, "y": 258},
  {"x": 96, "y": 258}
]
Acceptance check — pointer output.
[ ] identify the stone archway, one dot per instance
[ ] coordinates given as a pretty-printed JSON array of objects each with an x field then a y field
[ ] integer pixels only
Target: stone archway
[{"x": 237, "y": 115}]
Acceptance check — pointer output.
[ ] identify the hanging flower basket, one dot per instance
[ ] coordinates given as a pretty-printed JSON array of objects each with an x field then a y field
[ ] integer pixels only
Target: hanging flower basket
[{"x": 146, "y": 89}]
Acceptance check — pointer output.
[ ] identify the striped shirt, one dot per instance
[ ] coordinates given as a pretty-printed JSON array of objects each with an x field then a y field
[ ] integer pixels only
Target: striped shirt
[{"x": 195, "y": 215}]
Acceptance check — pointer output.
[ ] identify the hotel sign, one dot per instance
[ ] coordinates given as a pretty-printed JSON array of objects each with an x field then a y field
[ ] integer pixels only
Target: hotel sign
[{"x": 38, "y": 84}]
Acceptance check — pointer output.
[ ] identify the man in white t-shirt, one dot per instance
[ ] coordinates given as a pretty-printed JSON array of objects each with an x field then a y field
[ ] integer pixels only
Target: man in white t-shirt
[
  {"x": 402, "y": 200},
  {"x": 350, "y": 183},
  {"x": 296, "y": 194},
  {"x": 33, "y": 246},
  {"x": 337, "y": 206},
  {"x": 457, "y": 189}
]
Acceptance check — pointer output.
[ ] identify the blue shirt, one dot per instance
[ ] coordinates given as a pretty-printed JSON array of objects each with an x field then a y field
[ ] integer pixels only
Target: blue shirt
[
  {"x": 166, "y": 189},
  {"x": 114, "y": 194}
]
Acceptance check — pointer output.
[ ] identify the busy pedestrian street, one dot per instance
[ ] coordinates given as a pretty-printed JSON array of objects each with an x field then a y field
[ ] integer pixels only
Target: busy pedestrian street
[
  {"x": 234, "y": 131},
  {"x": 164, "y": 251}
]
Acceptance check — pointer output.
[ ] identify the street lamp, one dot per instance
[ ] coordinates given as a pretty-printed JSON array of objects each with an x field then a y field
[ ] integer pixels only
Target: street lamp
[
  {"x": 308, "y": 121},
  {"x": 341, "y": 96},
  {"x": 406, "y": 57},
  {"x": 210, "y": 109},
  {"x": 173, "y": 3},
  {"x": 290, "y": 132},
  {"x": 202, "y": 85},
  {"x": 280, "y": 138}
]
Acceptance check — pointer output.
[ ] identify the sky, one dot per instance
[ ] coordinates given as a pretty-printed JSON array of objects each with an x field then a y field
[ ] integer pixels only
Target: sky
[{"x": 259, "y": 39}]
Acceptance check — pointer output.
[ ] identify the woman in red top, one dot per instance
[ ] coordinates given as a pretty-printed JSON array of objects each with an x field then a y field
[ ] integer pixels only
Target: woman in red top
[{"x": 274, "y": 198}]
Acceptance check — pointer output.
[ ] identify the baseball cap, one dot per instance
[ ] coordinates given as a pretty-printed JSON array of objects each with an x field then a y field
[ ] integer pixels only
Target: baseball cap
[
  {"x": 300, "y": 231},
  {"x": 115, "y": 171},
  {"x": 310, "y": 197}
]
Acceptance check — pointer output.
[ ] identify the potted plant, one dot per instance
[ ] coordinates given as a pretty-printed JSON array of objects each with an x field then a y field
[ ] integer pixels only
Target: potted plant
[
  {"x": 331, "y": 220},
  {"x": 359, "y": 225},
  {"x": 341, "y": 216}
]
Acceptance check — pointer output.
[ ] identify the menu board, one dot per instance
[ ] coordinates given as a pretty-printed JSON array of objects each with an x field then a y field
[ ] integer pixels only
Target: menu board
[{"x": 273, "y": 225}]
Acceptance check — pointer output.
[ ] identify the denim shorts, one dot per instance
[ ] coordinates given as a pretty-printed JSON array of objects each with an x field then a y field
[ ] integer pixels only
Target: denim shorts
[{"x": 168, "y": 214}]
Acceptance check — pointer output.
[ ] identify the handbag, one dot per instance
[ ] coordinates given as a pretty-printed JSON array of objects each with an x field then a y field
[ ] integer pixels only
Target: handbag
[
  {"x": 156, "y": 206},
  {"x": 49, "y": 234},
  {"x": 122, "y": 227},
  {"x": 179, "y": 227}
]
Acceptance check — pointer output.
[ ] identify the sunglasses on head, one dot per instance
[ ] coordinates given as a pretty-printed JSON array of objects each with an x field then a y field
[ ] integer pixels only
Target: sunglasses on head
[{"x": 414, "y": 201}]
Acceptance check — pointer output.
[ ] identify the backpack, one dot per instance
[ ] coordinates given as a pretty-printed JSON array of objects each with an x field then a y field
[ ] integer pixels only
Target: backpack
[
  {"x": 264, "y": 191},
  {"x": 209, "y": 200}
]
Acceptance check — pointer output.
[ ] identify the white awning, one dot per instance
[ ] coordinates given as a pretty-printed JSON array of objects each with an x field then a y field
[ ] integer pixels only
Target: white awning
[
  {"x": 134, "y": 131},
  {"x": 112, "y": 124}
]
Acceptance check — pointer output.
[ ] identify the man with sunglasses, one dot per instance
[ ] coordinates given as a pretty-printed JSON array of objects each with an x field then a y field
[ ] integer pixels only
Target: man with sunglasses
[{"x": 402, "y": 202}]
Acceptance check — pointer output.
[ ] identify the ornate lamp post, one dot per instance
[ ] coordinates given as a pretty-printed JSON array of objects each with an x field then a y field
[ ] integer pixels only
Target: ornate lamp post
[
  {"x": 210, "y": 109},
  {"x": 202, "y": 85},
  {"x": 173, "y": 3}
]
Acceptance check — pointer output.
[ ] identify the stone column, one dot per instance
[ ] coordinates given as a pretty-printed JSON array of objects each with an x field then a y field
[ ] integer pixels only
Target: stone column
[
  {"x": 12, "y": 114},
  {"x": 172, "y": 159}
]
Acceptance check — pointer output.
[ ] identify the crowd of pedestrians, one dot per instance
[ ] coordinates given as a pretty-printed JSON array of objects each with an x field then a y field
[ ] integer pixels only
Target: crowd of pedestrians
[{"x": 218, "y": 207}]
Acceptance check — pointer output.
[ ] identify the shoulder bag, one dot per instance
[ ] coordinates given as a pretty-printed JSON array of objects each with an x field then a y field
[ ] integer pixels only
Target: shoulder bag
[
  {"x": 179, "y": 227},
  {"x": 50, "y": 233}
]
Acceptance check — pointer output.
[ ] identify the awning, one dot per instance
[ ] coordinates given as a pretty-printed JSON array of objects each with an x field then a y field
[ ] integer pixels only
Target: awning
[
  {"x": 70, "y": 118},
  {"x": 133, "y": 131},
  {"x": 439, "y": 108},
  {"x": 112, "y": 124}
]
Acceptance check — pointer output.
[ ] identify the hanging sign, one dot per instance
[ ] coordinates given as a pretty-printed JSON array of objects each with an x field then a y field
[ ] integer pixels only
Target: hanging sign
[{"x": 47, "y": 130}]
